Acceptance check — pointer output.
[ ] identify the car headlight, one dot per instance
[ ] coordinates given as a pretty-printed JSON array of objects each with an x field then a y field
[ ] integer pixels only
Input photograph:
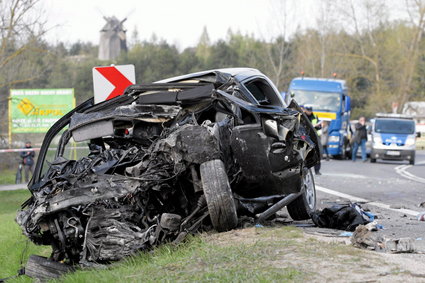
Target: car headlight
[
  {"x": 333, "y": 139},
  {"x": 410, "y": 140},
  {"x": 377, "y": 139}
]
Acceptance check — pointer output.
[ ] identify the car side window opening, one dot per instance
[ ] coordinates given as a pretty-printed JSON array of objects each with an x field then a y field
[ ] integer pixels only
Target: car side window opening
[
  {"x": 262, "y": 92},
  {"x": 72, "y": 150},
  {"x": 76, "y": 150},
  {"x": 51, "y": 150}
]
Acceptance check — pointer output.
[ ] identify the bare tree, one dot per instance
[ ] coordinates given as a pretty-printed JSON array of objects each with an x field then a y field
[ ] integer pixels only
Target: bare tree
[
  {"x": 325, "y": 29},
  {"x": 391, "y": 49},
  {"x": 21, "y": 28},
  {"x": 277, "y": 50},
  {"x": 416, "y": 12},
  {"x": 315, "y": 48},
  {"x": 364, "y": 17}
]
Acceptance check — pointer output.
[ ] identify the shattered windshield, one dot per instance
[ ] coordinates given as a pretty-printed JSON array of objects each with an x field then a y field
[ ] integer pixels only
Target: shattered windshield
[
  {"x": 395, "y": 126},
  {"x": 320, "y": 101}
]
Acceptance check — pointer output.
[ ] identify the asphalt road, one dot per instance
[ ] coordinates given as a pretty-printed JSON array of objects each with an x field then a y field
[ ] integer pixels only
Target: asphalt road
[{"x": 393, "y": 190}]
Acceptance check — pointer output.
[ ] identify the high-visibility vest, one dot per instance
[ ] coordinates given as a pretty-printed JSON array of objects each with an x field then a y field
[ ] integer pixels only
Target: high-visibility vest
[{"x": 314, "y": 121}]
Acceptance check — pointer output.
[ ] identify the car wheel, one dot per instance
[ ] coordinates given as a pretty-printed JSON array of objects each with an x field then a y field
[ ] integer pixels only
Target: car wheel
[
  {"x": 412, "y": 162},
  {"x": 218, "y": 195},
  {"x": 348, "y": 150},
  {"x": 302, "y": 207},
  {"x": 372, "y": 160},
  {"x": 344, "y": 152}
]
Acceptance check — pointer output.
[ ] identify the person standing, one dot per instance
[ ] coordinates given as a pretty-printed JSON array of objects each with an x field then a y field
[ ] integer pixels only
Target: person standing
[
  {"x": 324, "y": 137},
  {"x": 359, "y": 139},
  {"x": 28, "y": 160},
  {"x": 308, "y": 111}
]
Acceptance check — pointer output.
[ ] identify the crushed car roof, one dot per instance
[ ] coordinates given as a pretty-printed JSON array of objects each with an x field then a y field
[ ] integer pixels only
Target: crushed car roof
[{"x": 239, "y": 73}]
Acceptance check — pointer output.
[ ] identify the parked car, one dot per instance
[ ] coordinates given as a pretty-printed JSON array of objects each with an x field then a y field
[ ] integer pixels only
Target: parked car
[
  {"x": 166, "y": 159},
  {"x": 394, "y": 138}
]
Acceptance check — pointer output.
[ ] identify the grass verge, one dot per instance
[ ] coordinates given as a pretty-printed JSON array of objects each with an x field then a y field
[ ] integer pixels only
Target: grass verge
[
  {"x": 14, "y": 247},
  {"x": 7, "y": 177},
  {"x": 280, "y": 254},
  {"x": 200, "y": 259}
]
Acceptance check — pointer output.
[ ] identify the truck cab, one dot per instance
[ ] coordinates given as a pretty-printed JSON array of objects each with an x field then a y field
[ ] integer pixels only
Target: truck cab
[
  {"x": 393, "y": 138},
  {"x": 330, "y": 101}
]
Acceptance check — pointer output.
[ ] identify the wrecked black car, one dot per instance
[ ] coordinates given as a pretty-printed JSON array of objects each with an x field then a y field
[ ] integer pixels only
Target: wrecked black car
[{"x": 182, "y": 155}]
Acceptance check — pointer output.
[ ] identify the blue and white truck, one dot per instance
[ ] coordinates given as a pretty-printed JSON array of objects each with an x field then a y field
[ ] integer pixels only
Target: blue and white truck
[{"x": 330, "y": 101}]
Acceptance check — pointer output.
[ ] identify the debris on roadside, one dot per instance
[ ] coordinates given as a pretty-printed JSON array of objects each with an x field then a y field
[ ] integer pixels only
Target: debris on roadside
[
  {"x": 366, "y": 239},
  {"x": 363, "y": 238},
  {"x": 45, "y": 269},
  {"x": 343, "y": 217},
  {"x": 421, "y": 216},
  {"x": 374, "y": 226},
  {"x": 401, "y": 245},
  {"x": 346, "y": 234}
]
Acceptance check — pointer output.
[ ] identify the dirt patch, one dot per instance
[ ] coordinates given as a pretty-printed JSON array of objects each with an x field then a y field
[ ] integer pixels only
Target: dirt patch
[
  {"x": 243, "y": 236},
  {"x": 324, "y": 258}
]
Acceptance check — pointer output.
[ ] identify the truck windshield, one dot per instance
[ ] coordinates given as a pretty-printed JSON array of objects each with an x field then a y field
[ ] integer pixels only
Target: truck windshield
[
  {"x": 320, "y": 101},
  {"x": 395, "y": 126}
]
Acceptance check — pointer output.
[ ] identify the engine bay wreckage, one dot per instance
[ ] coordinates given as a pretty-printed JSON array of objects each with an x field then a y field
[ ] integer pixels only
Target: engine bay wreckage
[{"x": 167, "y": 159}]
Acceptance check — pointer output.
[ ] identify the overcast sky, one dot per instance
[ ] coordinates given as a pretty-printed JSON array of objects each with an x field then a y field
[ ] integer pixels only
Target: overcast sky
[{"x": 179, "y": 22}]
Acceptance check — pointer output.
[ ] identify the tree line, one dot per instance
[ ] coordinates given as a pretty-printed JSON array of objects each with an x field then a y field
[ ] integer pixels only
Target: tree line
[{"x": 382, "y": 59}]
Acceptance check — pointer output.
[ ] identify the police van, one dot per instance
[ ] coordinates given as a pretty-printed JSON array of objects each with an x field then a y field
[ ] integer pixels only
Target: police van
[{"x": 393, "y": 138}]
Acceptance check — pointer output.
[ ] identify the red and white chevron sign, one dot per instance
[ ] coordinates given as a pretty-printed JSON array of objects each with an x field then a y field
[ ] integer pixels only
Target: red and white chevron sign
[{"x": 111, "y": 81}]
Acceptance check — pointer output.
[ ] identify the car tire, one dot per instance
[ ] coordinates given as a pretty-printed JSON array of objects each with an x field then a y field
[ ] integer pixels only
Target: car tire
[
  {"x": 412, "y": 162},
  {"x": 344, "y": 151},
  {"x": 372, "y": 160},
  {"x": 348, "y": 150},
  {"x": 302, "y": 207},
  {"x": 219, "y": 197},
  {"x": 343, "y": 155}
]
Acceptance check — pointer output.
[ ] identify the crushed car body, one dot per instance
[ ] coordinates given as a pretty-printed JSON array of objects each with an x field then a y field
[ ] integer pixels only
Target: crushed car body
[{"x": 167, "y": 159}]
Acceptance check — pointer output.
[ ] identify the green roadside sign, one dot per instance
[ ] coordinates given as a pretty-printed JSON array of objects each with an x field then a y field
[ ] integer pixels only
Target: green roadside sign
[{"x": 36, "y": 110}]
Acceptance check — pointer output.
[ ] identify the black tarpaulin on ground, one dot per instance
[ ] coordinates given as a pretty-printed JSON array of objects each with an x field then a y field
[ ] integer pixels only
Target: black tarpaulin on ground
[{"x": 342, "y": 217}]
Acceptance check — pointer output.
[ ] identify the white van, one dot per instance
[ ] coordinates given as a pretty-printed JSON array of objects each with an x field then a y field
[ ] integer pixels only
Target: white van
[{"x": 393, "y": 138}]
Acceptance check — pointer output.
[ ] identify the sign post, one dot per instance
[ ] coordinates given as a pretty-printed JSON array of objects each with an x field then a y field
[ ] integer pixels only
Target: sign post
[{"x": 111, "y": 81}]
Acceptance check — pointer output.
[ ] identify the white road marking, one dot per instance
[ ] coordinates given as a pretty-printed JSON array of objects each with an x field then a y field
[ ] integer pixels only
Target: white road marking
[
  {"x": 345, "y": 175},
  {"x": 401, "y": 170},
  {"x": 374, "y": 203}
]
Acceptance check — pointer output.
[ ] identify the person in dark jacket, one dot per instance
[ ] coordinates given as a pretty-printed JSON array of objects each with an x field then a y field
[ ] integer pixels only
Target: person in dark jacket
[
  {"x": 28, "y": 160},
  {"x": 359, "y": 139}
]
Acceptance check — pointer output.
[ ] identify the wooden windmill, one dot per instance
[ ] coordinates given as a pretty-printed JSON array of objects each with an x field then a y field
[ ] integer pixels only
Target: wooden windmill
[{"x": 112, "y": 39}]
